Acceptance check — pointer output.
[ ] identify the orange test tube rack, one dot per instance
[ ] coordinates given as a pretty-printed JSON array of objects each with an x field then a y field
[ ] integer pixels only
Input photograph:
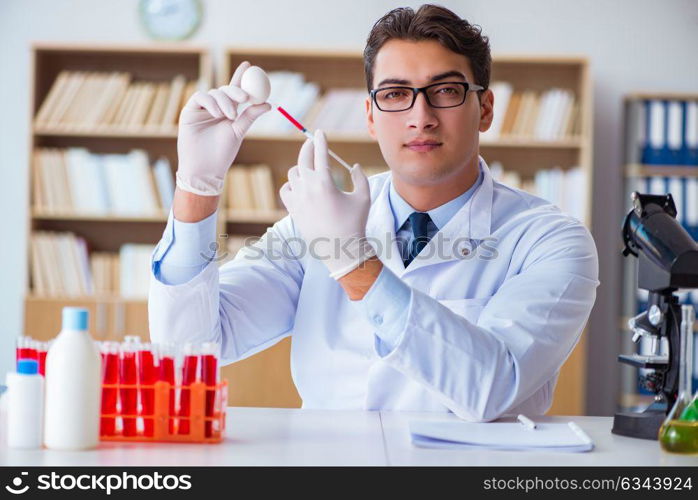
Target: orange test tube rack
[{"x": 162, "y": 416}]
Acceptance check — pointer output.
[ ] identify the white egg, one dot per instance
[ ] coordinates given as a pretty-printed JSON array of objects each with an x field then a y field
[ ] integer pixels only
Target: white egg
[{"x": 256, "y": 83}]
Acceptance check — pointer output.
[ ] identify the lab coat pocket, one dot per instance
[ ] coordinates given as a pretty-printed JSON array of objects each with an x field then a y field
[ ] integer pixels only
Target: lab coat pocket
[{"x": 470, "y": 309}]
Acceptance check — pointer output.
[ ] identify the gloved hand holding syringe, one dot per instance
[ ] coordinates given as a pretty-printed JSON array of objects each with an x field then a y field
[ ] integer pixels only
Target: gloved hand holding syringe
[{"x": 257, "y": 85}]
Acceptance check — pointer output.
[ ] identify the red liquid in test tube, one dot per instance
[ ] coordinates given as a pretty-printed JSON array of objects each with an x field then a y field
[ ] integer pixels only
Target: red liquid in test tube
[
  {"x": 209, "y": 375},
  {"x": 128, "y": 375},
  {"x": 110, "y": 365},
  {"x": 25, "y": 349},
  {"x": 147, "y": 376},
  {"x": 167, "y": 374},
  {"x": 42, "y": 349},
  {"x": 189, "y": 375}
]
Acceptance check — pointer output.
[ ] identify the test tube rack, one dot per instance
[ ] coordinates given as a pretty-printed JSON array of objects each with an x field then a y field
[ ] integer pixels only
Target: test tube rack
[{"x": 162, "y": 416}]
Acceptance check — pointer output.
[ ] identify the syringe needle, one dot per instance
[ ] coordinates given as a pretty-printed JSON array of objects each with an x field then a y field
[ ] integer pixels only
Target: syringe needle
[{"x": 305, "y": 132}]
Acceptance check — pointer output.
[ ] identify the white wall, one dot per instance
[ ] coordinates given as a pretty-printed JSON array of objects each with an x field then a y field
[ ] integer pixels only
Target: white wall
[{"x": 632, "y": 44}]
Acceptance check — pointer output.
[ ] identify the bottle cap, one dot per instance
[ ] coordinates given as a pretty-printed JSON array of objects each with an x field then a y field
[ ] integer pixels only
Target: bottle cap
[
  {"x": 75, "y": 318},
  {"x": 27, "y": 366}
]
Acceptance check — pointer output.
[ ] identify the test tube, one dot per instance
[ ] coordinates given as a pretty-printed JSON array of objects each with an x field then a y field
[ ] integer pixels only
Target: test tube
[
  {"x": 209, "y": 375},
  {"x": 166, "y": 372},
  {"x": 110, "y": 364},
  {"x": 41, "y": 350},
  {"x": 147, "y": 376},
  {"x": 129, "y": 395},
  {"x": 189, "y": 376},
  {"x": 25, "y": 349}
]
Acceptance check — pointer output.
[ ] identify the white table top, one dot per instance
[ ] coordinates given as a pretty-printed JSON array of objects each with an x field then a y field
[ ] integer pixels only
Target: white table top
[{"x": 280, "y": 436}]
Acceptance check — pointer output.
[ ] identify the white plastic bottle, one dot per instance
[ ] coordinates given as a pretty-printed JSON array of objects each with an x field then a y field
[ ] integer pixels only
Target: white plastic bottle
[
  {"x": 73, "y": 386},
  {"x": 25, "y": 411}
]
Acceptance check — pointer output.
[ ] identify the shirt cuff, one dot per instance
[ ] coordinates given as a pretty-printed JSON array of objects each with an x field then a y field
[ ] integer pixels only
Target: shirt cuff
[
  {"x": 386, "y": 305},
  {"x": 186, "y": 248}
]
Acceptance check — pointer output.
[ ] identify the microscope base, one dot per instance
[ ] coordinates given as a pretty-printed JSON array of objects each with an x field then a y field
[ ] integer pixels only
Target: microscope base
[{"x": 643, "y": 425}]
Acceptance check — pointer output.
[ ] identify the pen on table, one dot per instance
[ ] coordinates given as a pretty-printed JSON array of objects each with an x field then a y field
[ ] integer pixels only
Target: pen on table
[{"x": 527, "y": 422}]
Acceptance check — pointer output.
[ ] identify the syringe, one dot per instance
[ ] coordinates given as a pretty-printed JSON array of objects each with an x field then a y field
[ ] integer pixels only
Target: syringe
[{"x": 305, "y": 132}]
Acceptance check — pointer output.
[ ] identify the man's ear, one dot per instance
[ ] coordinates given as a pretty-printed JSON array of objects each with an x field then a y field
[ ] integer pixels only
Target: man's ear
[
  {"x": 369, "y": 118},
  {"x": 486, "y": 110}
]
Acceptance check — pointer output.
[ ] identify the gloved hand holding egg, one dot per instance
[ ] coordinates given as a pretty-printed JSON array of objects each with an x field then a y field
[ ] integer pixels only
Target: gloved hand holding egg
[{"x": 211, "y": 130}]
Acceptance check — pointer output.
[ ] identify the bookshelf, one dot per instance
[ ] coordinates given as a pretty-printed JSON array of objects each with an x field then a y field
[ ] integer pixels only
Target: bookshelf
[
  {"x": 680, "y": 178},
  {"x": 264, "y": 379}
]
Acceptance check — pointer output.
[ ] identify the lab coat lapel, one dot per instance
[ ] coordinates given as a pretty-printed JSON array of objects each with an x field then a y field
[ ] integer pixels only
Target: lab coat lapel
[
  {"x": 459, "y": 237},
  {"x": 380, "y": 230}
]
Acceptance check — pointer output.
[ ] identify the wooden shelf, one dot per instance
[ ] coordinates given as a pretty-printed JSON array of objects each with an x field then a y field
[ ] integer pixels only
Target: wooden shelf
[
  {"x": 40, "y": 215},
  {"x": 636, "y": 170},
  {"x": 104, "y": 132},
  {"x": 668, "y": 96}
]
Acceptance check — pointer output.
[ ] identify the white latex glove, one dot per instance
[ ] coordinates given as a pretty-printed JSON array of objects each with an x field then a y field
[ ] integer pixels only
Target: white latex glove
[
  {"x": 210, "y": 135},
  {"x": 331, "y": 222}
]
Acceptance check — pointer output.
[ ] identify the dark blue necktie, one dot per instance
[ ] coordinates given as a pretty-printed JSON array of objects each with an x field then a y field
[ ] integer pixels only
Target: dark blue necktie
[{"x": 419, "y": 222}]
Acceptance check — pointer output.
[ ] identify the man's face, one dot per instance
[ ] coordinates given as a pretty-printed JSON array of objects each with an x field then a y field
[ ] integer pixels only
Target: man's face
[{"x": 426, "y": 145}]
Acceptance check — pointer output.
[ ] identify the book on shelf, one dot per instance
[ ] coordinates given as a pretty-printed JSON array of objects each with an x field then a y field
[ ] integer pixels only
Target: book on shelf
[
  {"x": 251, "y": 188},
  {"x": 564, "y": 188},
  {"x": 87, "y": 101},
  {"x": 662, "y": 132},
  {"x": 61, "y": 266},
  {"x": 74, "y": 181},
  {"x": 552, "y": 115}
]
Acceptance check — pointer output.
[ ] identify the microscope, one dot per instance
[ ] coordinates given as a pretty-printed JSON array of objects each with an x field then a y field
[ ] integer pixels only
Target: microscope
[{"x": 667, "y": 261}]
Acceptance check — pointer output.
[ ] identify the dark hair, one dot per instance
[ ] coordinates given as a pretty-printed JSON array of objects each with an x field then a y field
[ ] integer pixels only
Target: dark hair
[{"x": 431, "y": 22}]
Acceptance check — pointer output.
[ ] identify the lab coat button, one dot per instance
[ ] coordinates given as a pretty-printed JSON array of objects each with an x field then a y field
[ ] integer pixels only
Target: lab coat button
[{"x": 378, "y": 319}]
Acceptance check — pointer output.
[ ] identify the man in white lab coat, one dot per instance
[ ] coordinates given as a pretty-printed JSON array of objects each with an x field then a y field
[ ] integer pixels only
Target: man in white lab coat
[{"x": 431, "y": 287}]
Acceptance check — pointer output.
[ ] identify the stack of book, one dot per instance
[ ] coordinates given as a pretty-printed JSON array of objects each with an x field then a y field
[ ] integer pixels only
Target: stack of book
[
  {"x": 564, "y": 188},
  {"x": 251, "y": 189},
  {"x": 105, "y": 270},
  {"x": 663, "y": 132},
  {"x": 62, "y": 266},
  {"x": 552, "y": 115},
  {"x": 97, "y": 101},
  {"x": 75, "y": 181}
]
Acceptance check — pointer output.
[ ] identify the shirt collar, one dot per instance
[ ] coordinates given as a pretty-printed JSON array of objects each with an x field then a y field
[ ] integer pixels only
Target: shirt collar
[{"x": 439, "y": 215}]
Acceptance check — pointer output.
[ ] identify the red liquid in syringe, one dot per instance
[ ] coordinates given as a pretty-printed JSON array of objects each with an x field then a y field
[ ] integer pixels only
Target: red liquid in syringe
[{"x": 189, "y": 373}]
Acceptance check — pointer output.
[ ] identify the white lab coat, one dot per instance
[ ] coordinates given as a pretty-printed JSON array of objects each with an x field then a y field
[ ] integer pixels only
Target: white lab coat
[{"x": 483, "y": 337}]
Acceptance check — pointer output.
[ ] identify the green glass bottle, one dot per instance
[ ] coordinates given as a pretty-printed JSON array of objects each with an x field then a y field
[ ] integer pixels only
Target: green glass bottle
[{"x": 679, "y": 432}]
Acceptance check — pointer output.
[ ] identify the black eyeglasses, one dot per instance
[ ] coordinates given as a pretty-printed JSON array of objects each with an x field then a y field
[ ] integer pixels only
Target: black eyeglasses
[{"x": 438, "y": 95}]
